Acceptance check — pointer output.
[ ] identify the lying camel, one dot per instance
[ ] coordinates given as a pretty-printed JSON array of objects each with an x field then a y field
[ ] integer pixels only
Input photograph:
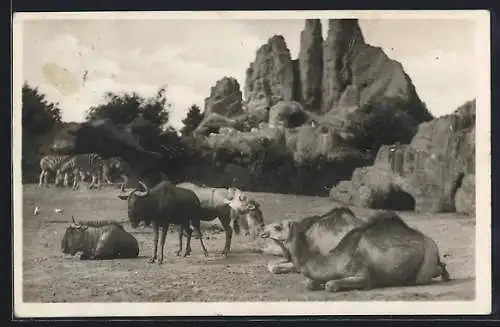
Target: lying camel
[
  {"x": 383, "y": 252},
  {"x": 323, "y": 234},
  {"x": 214, "y": 205}
]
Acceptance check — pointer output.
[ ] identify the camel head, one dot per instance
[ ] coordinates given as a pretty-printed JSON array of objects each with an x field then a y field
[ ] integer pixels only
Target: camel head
[{"x": 279, "y": 232}]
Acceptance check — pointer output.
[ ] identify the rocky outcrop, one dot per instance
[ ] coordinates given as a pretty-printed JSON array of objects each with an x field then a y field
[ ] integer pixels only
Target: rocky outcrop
[
  {"x": 225, "y": 98},
  {"x": 310, "y": 65},
  {"x": 436, "y": 169},
  {"x": 362, "y": 71},
  {"x": 336, "y": 48},
  {"x": 270, "y": 77}
]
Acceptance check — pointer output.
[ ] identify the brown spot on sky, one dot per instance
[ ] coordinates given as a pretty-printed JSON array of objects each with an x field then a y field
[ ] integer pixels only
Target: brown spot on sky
[{"x": 61, "y": 78}]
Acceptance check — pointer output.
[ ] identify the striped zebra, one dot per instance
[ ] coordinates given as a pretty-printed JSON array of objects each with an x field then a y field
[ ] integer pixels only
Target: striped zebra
[
  {"x": 80, "y": 166},
  {"x": 50, "y": 163},
  {"x": 118, "y": 164}
]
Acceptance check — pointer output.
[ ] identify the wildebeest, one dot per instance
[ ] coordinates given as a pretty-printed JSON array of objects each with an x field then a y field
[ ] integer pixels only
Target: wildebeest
[
  {"x": 383, "y": 252},
  {"x": 323, "y": 233},
  {"x": 213, "y": 205},
  {"x": 99, "y": 240},
  {"x": 162, "y": 205}
]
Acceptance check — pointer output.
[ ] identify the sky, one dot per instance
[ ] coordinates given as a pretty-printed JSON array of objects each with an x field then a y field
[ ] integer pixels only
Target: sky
[{"x": 189, "y": 56}]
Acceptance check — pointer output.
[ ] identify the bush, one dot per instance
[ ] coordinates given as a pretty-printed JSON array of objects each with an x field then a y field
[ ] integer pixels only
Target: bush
[{"x": 380, "y": 123}]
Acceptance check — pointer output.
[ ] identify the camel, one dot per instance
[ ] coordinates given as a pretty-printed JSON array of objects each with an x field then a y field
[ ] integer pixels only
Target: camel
[
  {"x": 383, "y": 252},
  {"x": 323, "y": 234}
]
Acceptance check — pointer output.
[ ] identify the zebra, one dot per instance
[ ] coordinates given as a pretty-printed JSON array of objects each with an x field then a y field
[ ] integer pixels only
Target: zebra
[
  {"x": 50, "y": 163},
  {"x": 118, "y": 164},
  {"x": 80, "y": 166}
]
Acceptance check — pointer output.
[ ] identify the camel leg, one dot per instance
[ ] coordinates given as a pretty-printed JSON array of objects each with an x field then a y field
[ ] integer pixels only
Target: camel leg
[
  {"x": 314, "y": 285},
  {"x": 359, "y": 281},
  {"x": 229, "y": 234},
  {"x": 155, "y": 242},
  {"x": 281, "y": 267},
  {"x": 40, "y": 183}
]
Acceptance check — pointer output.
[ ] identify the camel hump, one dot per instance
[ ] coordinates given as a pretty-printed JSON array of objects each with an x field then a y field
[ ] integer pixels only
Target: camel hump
[
  {"x": 384, "y": 220},
  {"x": 338, "y": 219}
]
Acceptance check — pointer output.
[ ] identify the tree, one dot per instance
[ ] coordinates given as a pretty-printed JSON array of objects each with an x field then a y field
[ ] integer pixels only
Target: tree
[
  {"x": 39, "y": 117},
  {"x": 38, "y": 114},
  {"x": 192, "y": 120},
  {"x": 123, "y": 108}
]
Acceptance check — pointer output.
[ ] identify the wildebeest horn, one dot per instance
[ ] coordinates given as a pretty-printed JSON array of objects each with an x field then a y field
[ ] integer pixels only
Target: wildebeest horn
[{"x": 142, "y": 193}]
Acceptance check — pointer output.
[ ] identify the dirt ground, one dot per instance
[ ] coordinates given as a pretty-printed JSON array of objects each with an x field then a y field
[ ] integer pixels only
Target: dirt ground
[{"x": 49, "y": 276}]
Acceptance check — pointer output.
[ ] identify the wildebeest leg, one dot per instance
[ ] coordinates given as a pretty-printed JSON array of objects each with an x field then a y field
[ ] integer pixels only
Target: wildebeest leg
[
  {"x": 281, "y": 267},
  {"x": 196, "y": 225},
  {"x": 181, "y": 231},
  {"x": 189, "y": 232},
  {"x": 163, "y": 237},
  {"x": 359, "y": 281},
  {"x": 229, "y": 234},
  {"x": 314, "y": 285},
  {"x": 155, "y": 241}
]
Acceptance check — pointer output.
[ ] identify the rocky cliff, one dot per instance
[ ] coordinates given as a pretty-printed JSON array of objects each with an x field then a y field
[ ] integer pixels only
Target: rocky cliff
[
  {"x": 434, "y": 173},
  {"x": 312, "y": 97}
]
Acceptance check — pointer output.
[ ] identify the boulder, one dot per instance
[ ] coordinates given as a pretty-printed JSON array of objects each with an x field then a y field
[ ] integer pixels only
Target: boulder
[
  {"x": 270, "y": 77},
  {"x": 213, "y": 122},
  {"x": 287, "y": 114},
  {"x": 225, "y": 98}
]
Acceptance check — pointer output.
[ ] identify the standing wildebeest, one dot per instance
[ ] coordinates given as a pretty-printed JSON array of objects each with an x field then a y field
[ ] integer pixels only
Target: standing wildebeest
[
  {"x": 161, "y": 206},
  {"x": 99, "y": 240},
  {"x": 384, "y": 251},
  {"x": 213, "y": 206}
]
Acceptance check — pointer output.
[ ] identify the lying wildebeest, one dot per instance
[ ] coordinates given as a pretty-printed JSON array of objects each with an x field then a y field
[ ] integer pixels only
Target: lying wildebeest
[
  {"x": 162, "y": 205},
  {"x": 99, "y": 240},
  {"x": 323, "y": 233},
  {"x": 384, "y": 251},
  {"x": 213, "y": 205}
]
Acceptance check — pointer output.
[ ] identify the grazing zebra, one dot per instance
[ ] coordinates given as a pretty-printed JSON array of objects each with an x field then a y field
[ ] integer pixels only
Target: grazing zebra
[
  {"x": 120, "y": 165},
  {"x": 50, "y": 163},
  {"x": 80, "y": 166}
]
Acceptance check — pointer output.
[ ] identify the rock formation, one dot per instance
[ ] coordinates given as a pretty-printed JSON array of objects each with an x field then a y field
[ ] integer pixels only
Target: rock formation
[
  {"x": 436, "y": 170},
  {"x": 270, "y": 77},
  {"x": 225, "y": 98},
  {"x": 310, "y": 65},
  {"x": 311, "y": 98}
]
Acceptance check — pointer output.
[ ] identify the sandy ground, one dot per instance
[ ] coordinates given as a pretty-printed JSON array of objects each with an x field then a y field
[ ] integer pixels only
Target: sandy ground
[{"x": 49, "y": 276}]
